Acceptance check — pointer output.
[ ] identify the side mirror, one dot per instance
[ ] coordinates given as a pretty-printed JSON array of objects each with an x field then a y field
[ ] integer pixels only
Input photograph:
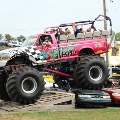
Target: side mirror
[{"x": 37, "y": 44}]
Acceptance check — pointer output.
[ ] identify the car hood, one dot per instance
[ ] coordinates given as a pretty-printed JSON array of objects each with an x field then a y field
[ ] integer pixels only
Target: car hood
[{"x": 90, "y": 92}]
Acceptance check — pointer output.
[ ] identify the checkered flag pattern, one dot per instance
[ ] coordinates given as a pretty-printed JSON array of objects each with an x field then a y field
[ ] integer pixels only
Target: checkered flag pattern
[{"x": 32, "y": 51}]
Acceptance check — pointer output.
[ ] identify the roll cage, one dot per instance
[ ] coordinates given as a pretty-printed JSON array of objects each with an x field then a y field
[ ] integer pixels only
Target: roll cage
[{"x": 78, "y": 23}]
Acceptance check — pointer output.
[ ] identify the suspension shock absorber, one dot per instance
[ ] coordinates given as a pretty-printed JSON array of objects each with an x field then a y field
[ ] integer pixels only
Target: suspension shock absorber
[{"x": 16, "y": 67}]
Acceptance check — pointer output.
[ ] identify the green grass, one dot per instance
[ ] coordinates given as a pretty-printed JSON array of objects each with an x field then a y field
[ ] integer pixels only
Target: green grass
[{"x": 95, "y": 114}]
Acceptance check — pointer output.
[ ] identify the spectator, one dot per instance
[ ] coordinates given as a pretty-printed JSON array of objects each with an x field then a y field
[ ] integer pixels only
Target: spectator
[
  {"x": 67, "y": 31},
  {"x": 75, "y": 29},
  {"x": 88, "y": 30},
  {"x": 92, "y": 28},
  {"x": 81, "y": 30},
  {"x": 53, "y": 31},
  {"x": 56, "y": 33},
  {"x": 61, "y": 32}
]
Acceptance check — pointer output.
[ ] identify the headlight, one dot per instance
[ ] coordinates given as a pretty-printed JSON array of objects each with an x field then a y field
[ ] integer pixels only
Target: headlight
[
  {"x": 106, "y": 96},
  {"x": 84, "y": 96},
  {"x": 4, "y": 56},
  {"x": 116, "y": 94}
]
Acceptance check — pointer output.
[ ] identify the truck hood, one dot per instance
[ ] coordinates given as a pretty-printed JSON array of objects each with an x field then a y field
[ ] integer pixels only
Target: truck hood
[
  {"x": 30, "y": 50},
  {"x": 18, "y": 50}
]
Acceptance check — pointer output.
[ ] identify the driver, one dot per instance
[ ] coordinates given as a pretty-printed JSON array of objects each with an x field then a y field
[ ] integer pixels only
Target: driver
[{"x": 47, "y": 41}]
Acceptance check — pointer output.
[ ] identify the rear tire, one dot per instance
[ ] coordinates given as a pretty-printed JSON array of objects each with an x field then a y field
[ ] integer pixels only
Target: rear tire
[
  {"x": 25, "y": 85},
  {"x": 91, "y": 73}
]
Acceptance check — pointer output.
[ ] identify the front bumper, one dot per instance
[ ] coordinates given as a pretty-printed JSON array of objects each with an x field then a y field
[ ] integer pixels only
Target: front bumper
[{"x": 93, "y": 100}]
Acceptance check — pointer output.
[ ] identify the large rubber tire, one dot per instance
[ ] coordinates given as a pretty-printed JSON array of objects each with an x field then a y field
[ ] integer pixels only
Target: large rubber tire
[
  {"x": 25, "y": 85},
  {"x": 91, "y": 73},
  {"x": 3, "y": 92}
]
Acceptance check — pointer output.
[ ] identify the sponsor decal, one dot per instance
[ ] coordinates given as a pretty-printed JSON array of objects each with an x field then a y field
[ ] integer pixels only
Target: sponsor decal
[{"x": 58, "y": 52}]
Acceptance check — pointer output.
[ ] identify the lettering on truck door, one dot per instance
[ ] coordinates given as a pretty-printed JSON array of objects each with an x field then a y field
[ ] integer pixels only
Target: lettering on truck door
[
  {"x": 54, "y": 52},
  {"x": 67, "y": 50}
]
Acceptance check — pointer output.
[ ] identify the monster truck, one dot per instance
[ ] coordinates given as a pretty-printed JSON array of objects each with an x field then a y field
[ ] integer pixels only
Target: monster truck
[{"x": 75, "y": 61}]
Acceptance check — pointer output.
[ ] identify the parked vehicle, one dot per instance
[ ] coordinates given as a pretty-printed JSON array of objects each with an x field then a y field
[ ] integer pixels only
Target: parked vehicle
[
  {"x": 70, "y": 59},
  {"x": 15, "y": 43},
  {"x": 91, "y": 98},
  {"x": 4, "y": 43},
  {"x": 114, "y": 95},
  {"x": 114, "y": 61},
  {"x": 30, "y": 41}
]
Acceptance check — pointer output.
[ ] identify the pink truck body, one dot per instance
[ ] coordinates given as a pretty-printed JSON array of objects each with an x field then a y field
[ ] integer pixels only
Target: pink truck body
[{"x": 70, "y": 49}]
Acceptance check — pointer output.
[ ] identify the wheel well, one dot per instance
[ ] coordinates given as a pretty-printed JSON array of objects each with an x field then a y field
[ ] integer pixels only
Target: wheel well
[
  {"x": 86, "y": 51},
  {"x": 19, "y": 60}
]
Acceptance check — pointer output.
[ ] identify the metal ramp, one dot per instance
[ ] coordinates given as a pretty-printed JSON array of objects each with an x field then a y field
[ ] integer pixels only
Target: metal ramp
[{"x": 48, "y": 100}]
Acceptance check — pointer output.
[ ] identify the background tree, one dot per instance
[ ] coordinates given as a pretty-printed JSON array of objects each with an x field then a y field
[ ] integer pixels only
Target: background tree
[
  {"x": 117, "y": 36},
  {"x": 1, "y": 37},
  {"x": 8, "y": 37},
  {"x": 21, "y": 38}
]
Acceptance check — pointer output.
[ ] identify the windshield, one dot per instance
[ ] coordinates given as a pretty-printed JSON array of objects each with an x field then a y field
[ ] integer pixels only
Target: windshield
[{"x": 29, "y": 41}]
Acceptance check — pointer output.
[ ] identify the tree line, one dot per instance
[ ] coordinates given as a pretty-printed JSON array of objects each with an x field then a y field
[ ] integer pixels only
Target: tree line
[
  {"x": 20, "y": 38},
  {"x": 117, "y": 36}
]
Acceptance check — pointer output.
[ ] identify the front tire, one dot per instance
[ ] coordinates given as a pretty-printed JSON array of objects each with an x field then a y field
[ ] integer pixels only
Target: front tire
[
  {"x": 25, "y": 85},
  {"x": 3, "y": 93},
  {"x": 91, "y": 73}
]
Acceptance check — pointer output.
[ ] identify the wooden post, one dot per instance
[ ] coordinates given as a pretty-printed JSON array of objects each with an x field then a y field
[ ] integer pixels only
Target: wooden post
[{"x": 105, "y": 28}]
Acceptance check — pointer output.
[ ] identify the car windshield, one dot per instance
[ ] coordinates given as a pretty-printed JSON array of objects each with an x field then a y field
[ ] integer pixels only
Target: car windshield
[{"x": 29, "y": 41}]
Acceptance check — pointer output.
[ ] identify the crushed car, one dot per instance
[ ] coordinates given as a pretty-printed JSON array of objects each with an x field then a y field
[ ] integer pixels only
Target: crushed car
[
  {"x": 114, "y": 95},
  {"x": 91, "y": 98}
]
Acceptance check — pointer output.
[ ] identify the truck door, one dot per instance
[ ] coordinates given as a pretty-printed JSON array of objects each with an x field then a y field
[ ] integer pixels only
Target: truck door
[
  {"x": 67, "y": 50},
  {"x": 45, "y": 46}
]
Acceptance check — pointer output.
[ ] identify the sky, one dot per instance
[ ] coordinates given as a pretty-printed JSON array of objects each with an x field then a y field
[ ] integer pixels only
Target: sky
[{"x": 28, "y": 17}]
